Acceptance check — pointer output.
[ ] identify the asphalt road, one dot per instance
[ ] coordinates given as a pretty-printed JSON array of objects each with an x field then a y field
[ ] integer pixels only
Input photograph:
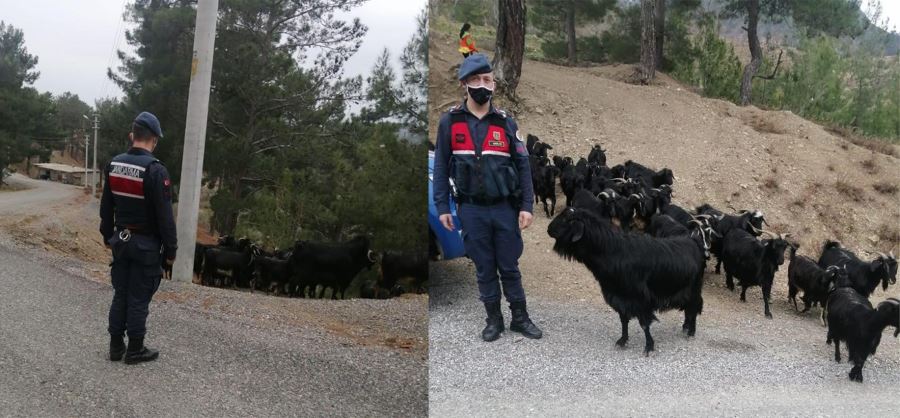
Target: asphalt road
[
  {"x": 39, "y": 192},
  {"x": 738, "y": 364},
  {"x": 223, "y": 353}
]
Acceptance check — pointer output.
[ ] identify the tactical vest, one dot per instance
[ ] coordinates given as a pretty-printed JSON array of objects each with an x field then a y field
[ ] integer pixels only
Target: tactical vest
[
  {"x": 126, "y": 181},
  {"x": 488, "y": 175}
]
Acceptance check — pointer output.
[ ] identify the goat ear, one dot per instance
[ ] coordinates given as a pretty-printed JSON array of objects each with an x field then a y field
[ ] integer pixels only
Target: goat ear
[{"x": 577, "y": 231}]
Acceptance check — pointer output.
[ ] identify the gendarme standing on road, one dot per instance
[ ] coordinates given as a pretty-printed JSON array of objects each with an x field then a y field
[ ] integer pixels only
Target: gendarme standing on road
[
  {"x": 478, "y": 146},
  {"x": 137, "y": 223}
]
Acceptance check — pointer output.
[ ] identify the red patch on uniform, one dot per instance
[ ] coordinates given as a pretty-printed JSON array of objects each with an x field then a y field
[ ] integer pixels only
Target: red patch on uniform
[
  {"x": 126, "y": 185},
  {"x": 166, "y": 182}
]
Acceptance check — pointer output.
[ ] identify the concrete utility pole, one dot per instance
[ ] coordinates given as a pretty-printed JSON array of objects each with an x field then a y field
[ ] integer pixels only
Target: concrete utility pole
[
  {"x": 94, "y": 173},
  {"x": 195, "y": 139},
  {"x": 87, "y": 140}
]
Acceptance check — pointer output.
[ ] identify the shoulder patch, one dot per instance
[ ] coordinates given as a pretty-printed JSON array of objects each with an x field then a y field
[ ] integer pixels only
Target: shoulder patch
[
  {"x": 519, "y": 135},
  {"x": 502, "y": 113}
]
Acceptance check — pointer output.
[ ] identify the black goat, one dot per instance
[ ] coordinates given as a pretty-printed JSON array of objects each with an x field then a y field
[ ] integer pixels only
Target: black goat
[
  {"x": 750, "y": 221},
  {"x": 638, "y": 274},
  {"x": 864, "y": 276},
  {"x": 597, "y": 155},
  {"x": 603, "y": 207},
  {"x": 650, "y": 178},
  {"x": 272, "y": 273},
  {"x": 664, "y": 226},
  {"x": 852, "y": 319},
  {"x": 199, "y": 255},
  {"x": 562, "y": 162},
  {"x": 536, "y": 147},
  {"x": 571, "y": 181},
  {"x": 238, "y": 262},
  {"x": 753, "y": 262},
  {"x": 330, "y": 265},
  {"x": 815, "y": 282},
  {"x": 397, "y": 265},
  {"x": 677, "y": 213},
  {"x": 545, "y": 187}
]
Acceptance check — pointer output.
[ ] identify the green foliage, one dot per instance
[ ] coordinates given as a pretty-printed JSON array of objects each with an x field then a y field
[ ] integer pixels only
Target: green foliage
[
  {"x": 549, "y": 18},
  {"x": 707, "y": 61},
  {"x": 476, "y": 12},
  {"x": 16, "y": 65},
  {"x": 588, "y": 49},
  {"x": 832, "y": 81},
  {"x": 831, "y": 17},
  {"x": 283, "y": 159},
  {"x": 718, "y": 67},
  {"x": 24, "y": 112},
  {"x": 622, "y": 40}
]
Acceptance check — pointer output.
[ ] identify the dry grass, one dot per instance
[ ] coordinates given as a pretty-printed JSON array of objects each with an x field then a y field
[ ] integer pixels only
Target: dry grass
[
  {"x": 889, "y": 234},
  {"x": 764, "y": 125},
  {"x": 849, "y": 190},
  {"x": 880, "y": 146},
  {"x": 870, "y": 165},
  {"x": 771, "y": 183},
  {"x": 885, "y": 187}
]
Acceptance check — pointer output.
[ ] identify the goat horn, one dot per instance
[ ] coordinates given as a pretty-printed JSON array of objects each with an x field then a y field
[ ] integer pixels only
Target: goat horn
[
  {"x": 762, "y": 231},
  {"x": 619, "y": 180},
  {"x": 703, "y": 216},
  {"x": 892, "y": 254},
  {"x": 881, "y": 255},
  {"x": 603, "y": 194},
  {"x": 655, "y": 189}
]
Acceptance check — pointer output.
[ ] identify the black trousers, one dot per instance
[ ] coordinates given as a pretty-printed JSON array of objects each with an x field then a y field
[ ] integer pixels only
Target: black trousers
[{"x": 136, "y": 273}]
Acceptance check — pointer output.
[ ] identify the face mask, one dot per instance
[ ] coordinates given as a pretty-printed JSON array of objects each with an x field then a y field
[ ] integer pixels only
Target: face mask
[{"x": 480, "y": 95}]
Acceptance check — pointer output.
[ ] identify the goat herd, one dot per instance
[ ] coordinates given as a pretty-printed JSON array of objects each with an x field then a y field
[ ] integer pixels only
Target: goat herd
[
  {"x": 308, "y": 267},
  {"x": 649, "y": 254}
]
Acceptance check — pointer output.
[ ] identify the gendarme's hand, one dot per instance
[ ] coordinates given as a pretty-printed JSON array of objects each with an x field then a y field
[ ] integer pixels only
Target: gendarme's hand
[
  {"x": 525, "y": 219},
  {"x": 447, "y": 221},
  {"x": 170, "y": 261}
]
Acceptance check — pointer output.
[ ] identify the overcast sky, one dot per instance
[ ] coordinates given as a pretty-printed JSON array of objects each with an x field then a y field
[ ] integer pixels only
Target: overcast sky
[{"x": 75, "y": 40}]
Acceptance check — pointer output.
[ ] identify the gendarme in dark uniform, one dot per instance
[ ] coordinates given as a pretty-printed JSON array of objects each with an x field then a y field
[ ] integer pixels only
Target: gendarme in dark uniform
[
  {"x": 488, "y": 164},
  {"x": 137, "y": 223}
]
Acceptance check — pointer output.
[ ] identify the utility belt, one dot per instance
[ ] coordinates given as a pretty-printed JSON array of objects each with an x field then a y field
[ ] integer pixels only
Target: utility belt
[
  {"x": 482, "y": 201},
  {"x": 126, "y": 231}
]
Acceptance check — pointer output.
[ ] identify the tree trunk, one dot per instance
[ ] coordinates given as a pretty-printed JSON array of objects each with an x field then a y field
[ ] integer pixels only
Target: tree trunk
[
  {"x": 570, "y": 32},
  {"x": 660, "y": 30},
  {"x": 510, "y": 47},
  {"x": 648, "y": 42},
  {"x": 755, "y": 51}
]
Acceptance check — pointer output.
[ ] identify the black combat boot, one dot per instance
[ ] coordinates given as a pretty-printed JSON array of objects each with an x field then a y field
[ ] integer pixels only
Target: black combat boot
[
  {"x": 116, "y": 347},
  {"x": 137, "y": 353},
  {"x": 494, "y": 321},
  {"x": 521, "y": 322}
]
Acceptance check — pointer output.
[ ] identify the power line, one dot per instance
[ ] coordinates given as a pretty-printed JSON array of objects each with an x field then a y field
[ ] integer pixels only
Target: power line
[{"x": 105, "y": 81}]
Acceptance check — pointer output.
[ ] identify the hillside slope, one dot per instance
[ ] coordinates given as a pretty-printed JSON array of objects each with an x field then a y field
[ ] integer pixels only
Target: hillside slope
[{"x": 807, "y": 181}]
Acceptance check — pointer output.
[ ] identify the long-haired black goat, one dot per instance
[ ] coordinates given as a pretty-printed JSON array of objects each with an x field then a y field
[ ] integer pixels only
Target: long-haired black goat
[
  {"x": 815, "y": 282},
  {"x": 852, "y": 319},
  {"x": 638, "y": 274},
  {"x": 864, "y": 275},
  {"x": 754, "y": 262}
]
